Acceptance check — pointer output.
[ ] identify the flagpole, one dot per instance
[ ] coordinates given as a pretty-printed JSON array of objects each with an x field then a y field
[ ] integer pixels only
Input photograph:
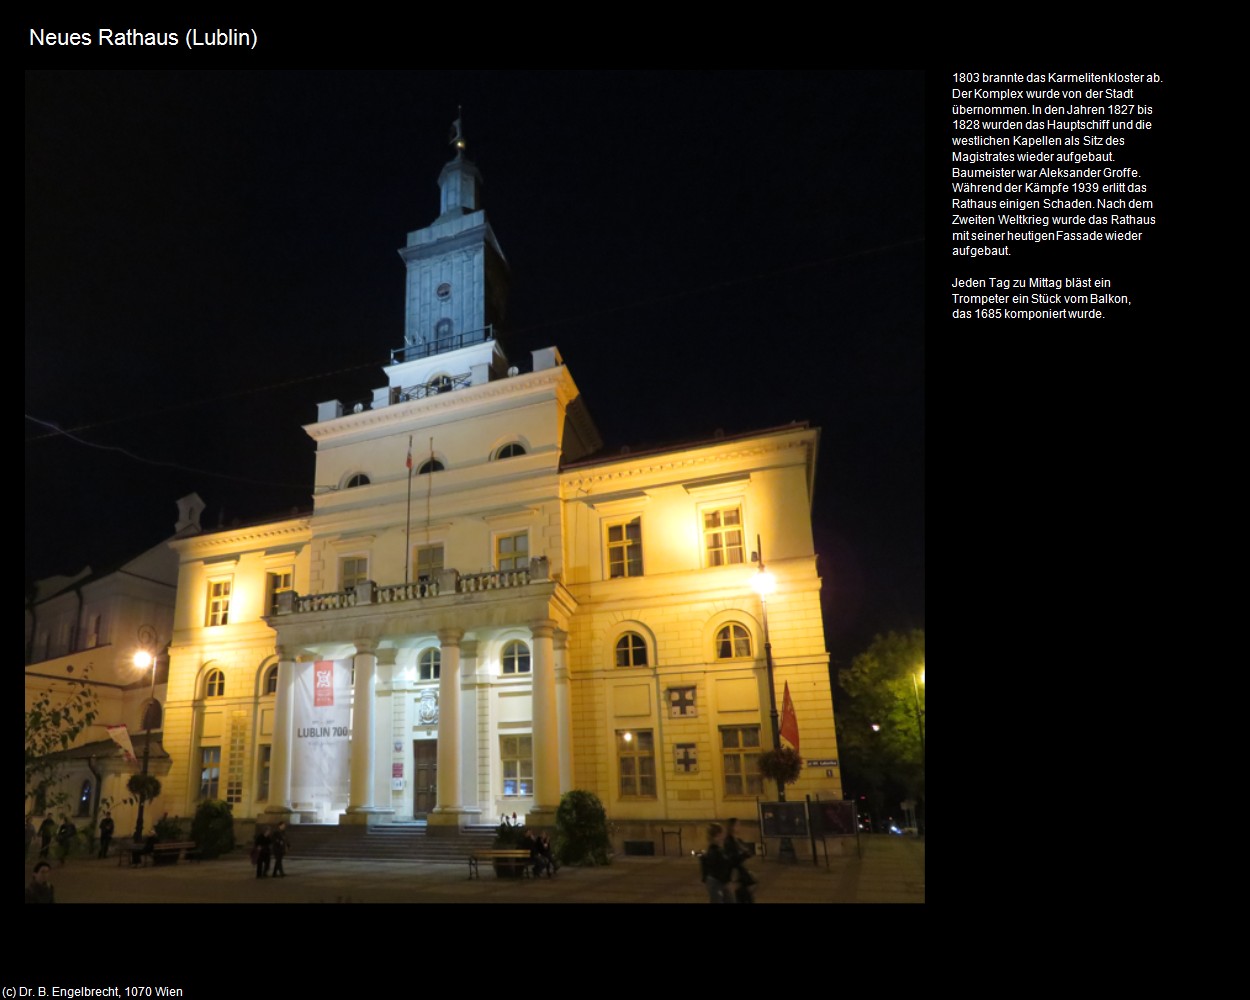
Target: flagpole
[
  {"x": 785, "y": 851},
  {"x": 408, "y": 516}
]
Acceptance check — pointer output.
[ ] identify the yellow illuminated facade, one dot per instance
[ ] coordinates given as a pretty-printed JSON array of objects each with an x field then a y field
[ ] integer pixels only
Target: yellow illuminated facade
[{"x": 482, "y": 613}]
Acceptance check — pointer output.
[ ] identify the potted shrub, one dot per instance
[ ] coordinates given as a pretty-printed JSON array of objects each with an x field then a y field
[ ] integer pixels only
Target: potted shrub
[
  {"x": 782, "y": 766},
  {"x": 509, "y": 837}
]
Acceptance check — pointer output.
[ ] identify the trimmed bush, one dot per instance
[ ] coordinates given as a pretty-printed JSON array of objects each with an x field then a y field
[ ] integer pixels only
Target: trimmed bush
[
  {"x": 213, "y": 828},
  {"x": 582, "y": 830}
]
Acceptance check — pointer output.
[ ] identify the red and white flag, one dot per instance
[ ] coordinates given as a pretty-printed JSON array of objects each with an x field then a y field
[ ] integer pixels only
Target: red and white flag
[
  {"x": 408, "y": 460},
  {"x": 789, "y": 721},
  {"x": 121, "y": 736}
]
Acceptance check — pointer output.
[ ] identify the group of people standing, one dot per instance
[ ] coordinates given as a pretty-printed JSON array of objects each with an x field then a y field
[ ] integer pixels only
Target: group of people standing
[
  {"x": 270, "y": 845},
  {"x": 723, "y": 863},
  {"x": 64, "y": 835}
]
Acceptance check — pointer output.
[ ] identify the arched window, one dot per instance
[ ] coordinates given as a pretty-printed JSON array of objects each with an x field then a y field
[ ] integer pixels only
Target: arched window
[
  {"x": 360, "y": 479},
  {"x": 428, "y": 661},
  {"x": 516, "y": 658},
  {"x": 214, "y": 684},
  {"x": 732, "y": 640},
  {"x": 270, "y": 686},
  {"x": 631, "y": 650},
  {"x": 510, "y": 451},
  {"x": 430, "y": 465}
]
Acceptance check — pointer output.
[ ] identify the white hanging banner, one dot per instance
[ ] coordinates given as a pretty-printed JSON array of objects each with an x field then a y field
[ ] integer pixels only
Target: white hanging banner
[
  {"x": 121, "y": 736},
  {"x": 322, "y": 748}
]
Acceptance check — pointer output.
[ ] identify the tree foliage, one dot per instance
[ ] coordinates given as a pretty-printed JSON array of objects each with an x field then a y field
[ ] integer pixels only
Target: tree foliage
[
  {"x": 878, "y": 689},
  {"x": 54, "y": 720}
]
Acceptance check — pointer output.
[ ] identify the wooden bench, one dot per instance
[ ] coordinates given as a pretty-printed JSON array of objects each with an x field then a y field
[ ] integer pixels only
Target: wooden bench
[
  {"x": 515, "y": 855},
  {"x": 139, "y": 854}
]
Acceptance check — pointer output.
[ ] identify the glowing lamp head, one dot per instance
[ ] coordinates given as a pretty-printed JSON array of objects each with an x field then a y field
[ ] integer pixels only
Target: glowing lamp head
[
  {"x": 764, "y": 583},
  {"x": 876, "y": 727},
  {"x": 143, "y": 659}
]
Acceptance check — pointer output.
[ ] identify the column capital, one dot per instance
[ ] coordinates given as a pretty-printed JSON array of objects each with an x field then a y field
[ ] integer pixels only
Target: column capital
[
  {"x": 368, "y": 647},
  {"x": 450, "y": 636},
  {"x": 561, "y": 640},
  {"x": 386, "y": 656},
  {"x": 543, "y": 628}
]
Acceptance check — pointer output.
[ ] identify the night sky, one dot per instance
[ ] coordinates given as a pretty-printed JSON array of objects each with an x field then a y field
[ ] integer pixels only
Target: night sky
[{"x": 208, "y": 255}]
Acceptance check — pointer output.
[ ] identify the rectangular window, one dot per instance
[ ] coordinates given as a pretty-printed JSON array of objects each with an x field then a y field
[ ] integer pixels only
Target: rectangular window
[
  {"x": 512, "y": 551},
  {"x": 740, "y": 753},
  {"x": 635, "y": 754},
  {"x": 210, "y": 772},
  {"x": 278, "y": 582},
  {"x": 353, "y": 570},
  {"x": 517, "y": 755},
  {"x": 219, "y": 600},
  {"x": 625, "y": 549},
  {"x": 263, "y": 757},
  {"x": 234, "y": 774},
  {"x": 427, "y": 563},
  {"x": 722, "y": 536}
]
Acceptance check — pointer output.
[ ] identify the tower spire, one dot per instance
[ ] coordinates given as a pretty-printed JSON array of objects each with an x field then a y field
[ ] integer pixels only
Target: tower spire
[
  {"x": 457, "y": 132},
  {"x": 458, "y": 183}
]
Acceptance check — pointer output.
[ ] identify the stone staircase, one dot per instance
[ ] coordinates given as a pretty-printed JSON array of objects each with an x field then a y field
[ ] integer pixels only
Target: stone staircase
[{"x": 390, "y": 842}]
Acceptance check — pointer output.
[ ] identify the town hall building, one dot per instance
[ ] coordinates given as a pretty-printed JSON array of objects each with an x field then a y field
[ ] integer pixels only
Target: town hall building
[{"x": 484, "y": 611}]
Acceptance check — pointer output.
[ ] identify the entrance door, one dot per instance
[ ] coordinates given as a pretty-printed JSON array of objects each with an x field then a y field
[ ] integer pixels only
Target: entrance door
[{"x": 424, "y": 777}]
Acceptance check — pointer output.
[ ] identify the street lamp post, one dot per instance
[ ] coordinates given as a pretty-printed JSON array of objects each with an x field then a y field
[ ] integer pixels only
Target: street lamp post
[
  {"x": 915, "y": 690},
  {"x": 145, "y": 657},
  {"x": 764, "y": 585}
]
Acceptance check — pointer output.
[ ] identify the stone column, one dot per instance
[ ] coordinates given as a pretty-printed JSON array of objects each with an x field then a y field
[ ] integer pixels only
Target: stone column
[
  {"x": 546, "y": 738},
  {"x": 283, "y": 726},
  {"x": 384, "y": 732},
  {"x": 360, "y": 807},
  {"x": 447, "y": 813},
  {"x": 564, "y": 711},
  {"x": 470, "y": 765}
]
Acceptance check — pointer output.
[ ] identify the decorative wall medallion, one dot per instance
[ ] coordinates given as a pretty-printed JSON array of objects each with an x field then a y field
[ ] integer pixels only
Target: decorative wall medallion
[
  {"x": 427, "y": 707},
  {"x": 681, "y": 703},
  {"x": 443, "y": 291}
]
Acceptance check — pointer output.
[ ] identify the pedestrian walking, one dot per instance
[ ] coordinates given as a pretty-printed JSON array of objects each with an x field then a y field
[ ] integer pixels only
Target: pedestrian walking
[
  {"x": 715, "y": 868},
  {"x": 260, "y": 851},
  {"x": 65, "y": 835},
  {"x": 279, "y": 845},
  {"x": 47, "y": 830},
  {"x": 736, "y": 853},
  {"x": 106, "y": 833}
]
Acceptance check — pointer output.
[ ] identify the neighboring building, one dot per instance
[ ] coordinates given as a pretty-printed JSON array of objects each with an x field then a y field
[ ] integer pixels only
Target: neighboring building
[
  {"x": 482, "y": 613},
  {"x": 87, "y": 627}
]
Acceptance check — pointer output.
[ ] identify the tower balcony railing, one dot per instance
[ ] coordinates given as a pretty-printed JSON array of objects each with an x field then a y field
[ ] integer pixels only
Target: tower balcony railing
[
  {"x": 447, "y": 582},
  {"x": 466, "y": 338}
]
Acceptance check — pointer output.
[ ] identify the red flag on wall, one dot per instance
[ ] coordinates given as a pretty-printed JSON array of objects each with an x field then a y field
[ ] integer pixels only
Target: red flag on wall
[
  {"x": 789, "y": 721},
  {"x": 408, "y": 460}
]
